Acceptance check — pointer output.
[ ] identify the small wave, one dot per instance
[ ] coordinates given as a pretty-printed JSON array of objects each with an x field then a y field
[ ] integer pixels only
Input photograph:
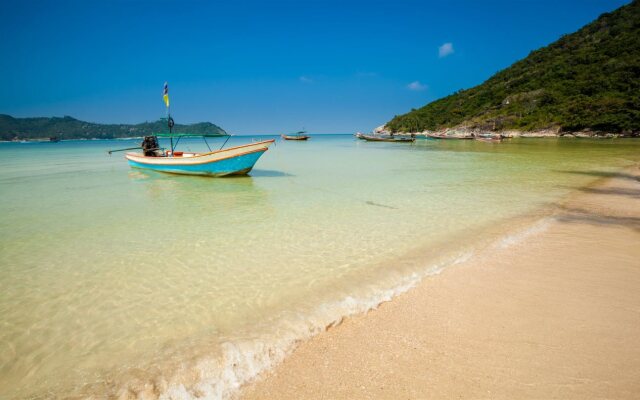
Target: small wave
[
  {"x": 520, "y": 236},
  {"x": 241, "y": 361}
]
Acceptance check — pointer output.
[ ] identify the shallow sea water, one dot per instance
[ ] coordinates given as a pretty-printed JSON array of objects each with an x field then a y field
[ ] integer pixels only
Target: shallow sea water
[{"x": 119, "y": 281}]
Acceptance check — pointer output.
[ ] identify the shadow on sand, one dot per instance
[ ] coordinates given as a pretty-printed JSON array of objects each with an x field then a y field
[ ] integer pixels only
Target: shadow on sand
[
  {"x": 633, "y": 193},
  {"x": 603, "y": 174},
  {"x": 578, "y": 215},
  {"x": 613, "y": 216}
]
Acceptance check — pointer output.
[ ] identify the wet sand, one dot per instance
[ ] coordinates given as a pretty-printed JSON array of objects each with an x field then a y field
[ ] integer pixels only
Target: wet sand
[{"x": 556, "y": 315}]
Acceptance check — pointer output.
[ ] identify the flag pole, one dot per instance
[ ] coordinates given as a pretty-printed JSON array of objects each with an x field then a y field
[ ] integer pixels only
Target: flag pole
[{"x": 165, "y": 97}]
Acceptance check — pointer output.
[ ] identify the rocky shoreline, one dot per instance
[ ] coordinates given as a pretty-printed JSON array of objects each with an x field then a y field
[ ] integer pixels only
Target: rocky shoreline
[{"x": 462, "y": 132}]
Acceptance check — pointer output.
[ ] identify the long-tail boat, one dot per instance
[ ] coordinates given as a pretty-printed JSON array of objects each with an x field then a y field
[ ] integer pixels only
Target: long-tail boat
[
  {"x": 386, "y": 138},
  {"x": 488, "y": 137},
  {"x": 444, "y": 136},
  {"x": 296, "y": 136}
]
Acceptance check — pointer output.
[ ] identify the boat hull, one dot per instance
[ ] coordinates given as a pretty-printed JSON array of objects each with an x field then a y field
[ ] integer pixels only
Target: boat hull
[
  {"x": 449, "y": 137},
  {"x": 232, "y": 161},
  {"x": 286, "y": 137},
  {"x": 386, "y": 139}
]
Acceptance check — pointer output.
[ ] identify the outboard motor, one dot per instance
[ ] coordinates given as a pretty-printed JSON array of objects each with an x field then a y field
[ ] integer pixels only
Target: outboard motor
[{"x": 150, "y": 146}]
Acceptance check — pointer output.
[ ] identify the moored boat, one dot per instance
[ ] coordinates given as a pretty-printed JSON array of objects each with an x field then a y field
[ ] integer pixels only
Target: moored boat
[
  {"x": 595, "y": 136},
  {"x": 448, "y": 137},
  {"x": 386, "y": 138},
  {"x": 238, "y": 160},
  {"x": 488, "y": 137},
  {"x": 296, "y": 136}
]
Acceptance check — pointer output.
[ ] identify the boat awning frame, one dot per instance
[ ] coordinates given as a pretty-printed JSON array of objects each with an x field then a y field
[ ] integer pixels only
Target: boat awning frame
[{"x": 204, "y": 137}]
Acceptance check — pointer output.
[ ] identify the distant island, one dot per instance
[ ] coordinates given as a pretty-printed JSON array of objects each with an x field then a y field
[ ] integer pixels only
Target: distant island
[
  {"x": 588, "y": 81},
  {"x": 61, "y": 128}
]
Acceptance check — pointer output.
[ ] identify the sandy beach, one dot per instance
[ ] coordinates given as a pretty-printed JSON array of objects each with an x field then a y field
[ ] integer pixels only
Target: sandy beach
[{"x": 553, "y": 314}]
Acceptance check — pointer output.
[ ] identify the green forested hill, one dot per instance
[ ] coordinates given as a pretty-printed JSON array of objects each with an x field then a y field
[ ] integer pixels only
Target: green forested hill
[
  {"x": 71, "y": 128},
  {"x": 589, "y": 79}
]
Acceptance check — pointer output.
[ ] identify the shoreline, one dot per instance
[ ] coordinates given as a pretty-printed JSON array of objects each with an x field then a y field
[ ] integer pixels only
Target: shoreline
[
  {"x": 555, "y": 133},
  {"x": 509, "y": 322},
  {"x": 513, "y": 134},
  {"x": 240, "y": 362},
  {"x": 508, "y": 134}
]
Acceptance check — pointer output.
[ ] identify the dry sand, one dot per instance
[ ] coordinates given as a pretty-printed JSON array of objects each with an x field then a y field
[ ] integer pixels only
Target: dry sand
[{"x": 554, "y": 316}]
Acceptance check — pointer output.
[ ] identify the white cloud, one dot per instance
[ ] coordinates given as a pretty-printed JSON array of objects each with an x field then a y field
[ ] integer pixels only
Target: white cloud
[
  {"x": 306, "y": 79},
  {"x": 417, "y": 86},
  {"x": 445, "y": 50}
]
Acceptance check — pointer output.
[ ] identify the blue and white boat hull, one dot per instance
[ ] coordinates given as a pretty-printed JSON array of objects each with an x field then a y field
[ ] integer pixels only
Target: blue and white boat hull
[{"x": 232, "y": 161}]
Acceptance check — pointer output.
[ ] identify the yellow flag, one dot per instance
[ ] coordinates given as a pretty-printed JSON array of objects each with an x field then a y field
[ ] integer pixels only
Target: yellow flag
[{"x": 165, "y": 94}]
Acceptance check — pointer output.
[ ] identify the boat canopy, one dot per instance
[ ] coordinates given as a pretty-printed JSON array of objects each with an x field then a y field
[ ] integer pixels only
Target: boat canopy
[{"x": 181, "y": 135}]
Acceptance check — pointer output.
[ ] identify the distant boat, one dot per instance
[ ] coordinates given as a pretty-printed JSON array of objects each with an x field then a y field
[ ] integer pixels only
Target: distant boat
[
  {"x": 448, "y": 137},
  {"x": 54, "y": 139},
  {"x": 296, "y": 136},
  {"x": 537, "y": 136},
  {"x": 488, "y": 137},
  {"x": 386, "y": 138},
  {"x": 587, "y": 136}
]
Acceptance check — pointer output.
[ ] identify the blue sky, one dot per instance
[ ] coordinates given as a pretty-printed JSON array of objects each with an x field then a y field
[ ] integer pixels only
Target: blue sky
[{"x": 264, "y": 67}]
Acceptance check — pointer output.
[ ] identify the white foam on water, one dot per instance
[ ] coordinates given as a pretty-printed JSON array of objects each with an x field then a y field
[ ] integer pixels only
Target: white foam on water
[
  {"x": 241, "y": 361},
  {"x": 220, "y": 374},
  {"x": 521, "y": 235}
]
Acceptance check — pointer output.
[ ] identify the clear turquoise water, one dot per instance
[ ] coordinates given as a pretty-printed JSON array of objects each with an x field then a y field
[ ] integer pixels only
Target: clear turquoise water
[{"x": 113, "y": 278}]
